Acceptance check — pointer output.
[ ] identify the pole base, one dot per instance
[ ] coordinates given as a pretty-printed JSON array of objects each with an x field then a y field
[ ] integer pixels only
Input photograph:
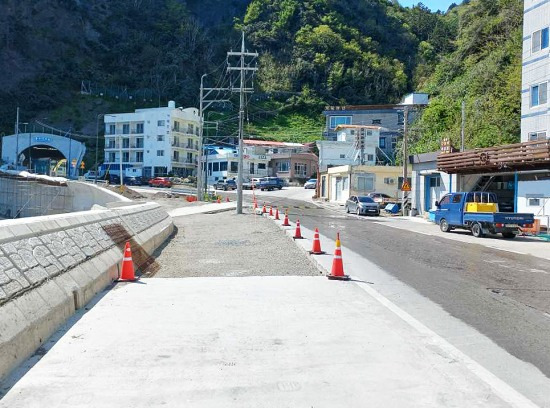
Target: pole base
[{"x": 340, "y": 278}]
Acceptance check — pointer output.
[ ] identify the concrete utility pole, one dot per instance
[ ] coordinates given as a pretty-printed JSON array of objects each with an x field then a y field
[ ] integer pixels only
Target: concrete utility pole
[
  {"x": 17, "y": 140},
  {"x": 201, "y": 133},
  {"x": 243, "y": 68},
  {"x": 463, "y": 125},
  {"x": 405, "y": 158}
]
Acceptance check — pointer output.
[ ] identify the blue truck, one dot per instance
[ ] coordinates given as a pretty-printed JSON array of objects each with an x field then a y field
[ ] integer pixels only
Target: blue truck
[{"x": 478, "y": 213}]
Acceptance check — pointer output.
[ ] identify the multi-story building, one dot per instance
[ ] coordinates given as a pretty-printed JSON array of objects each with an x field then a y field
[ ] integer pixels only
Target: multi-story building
[
  {"x": 152, "y": 142},
  {"x": 223, "y": 163},
  {"x": 355, "y": 145}
]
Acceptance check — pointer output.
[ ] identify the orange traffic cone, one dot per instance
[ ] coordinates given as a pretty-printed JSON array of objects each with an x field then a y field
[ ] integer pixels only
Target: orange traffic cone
[
  {"x": 255, "y": 205},
  {"x": 298, "y": 232},
  {"x": 316, "y": 249},
  {"x": 271, "y": 211},
  {"x": 337, "y": 272},
  {"x": 227, "y": 200},
  {"x": 285, "y": 222},
  {"x": 264, "y": 210},
  {"x": 277, "y": 213},
  {"x": 219, "y": 201},
  {"x": 127, "y": 273}
]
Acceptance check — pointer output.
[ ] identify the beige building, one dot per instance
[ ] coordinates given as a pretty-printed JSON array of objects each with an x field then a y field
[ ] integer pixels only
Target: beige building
[{"x": 337, "y": 184}]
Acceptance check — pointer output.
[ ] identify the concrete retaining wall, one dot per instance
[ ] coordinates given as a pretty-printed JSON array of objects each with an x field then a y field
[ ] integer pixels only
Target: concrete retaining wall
[{"x": 52, "y": 265}]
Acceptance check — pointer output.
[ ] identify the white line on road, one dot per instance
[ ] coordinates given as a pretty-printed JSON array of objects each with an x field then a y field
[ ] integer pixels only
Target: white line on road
[{"x": 505, "y": 391}]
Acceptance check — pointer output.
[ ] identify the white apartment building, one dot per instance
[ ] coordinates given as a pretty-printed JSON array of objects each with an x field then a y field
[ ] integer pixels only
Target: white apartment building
[
  {"x": 354, "y": 145},
  {"x": 535, "y": 118},
  {"x": 152, "y": 142}
]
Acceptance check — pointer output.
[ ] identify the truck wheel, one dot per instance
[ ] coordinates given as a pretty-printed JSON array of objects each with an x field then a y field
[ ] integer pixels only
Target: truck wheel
[
  {"x": 508, "y": 235},
  {"x": 477, "y": 231},
  {"x": 444, "y": 225}
]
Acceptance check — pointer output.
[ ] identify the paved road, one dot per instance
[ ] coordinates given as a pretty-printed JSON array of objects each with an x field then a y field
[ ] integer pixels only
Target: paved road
[{"x": 503, "y": 295}]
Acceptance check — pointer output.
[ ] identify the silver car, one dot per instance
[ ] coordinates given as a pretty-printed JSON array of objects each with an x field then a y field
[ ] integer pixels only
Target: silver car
[{"x": 361, "y": 205}]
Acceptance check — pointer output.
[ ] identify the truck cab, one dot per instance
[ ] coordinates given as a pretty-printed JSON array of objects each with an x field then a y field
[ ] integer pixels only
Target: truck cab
[{"x": 479, "y": 213}]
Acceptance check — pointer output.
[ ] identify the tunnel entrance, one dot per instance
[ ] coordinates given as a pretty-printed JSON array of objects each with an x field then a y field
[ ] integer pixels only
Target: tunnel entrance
[{"x": 43, "y": 159}]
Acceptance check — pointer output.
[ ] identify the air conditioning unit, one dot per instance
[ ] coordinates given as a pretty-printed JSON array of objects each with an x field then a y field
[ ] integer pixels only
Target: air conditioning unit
[{"x": 389, "y": 180}]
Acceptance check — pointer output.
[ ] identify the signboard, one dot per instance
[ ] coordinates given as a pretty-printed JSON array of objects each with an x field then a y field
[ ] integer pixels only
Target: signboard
[
  {"x": 73, "y": 163},
  {"x": 82, "y": 166},
  {"x": 42, "y": 139},
  {"x": 406, "y": 186}
]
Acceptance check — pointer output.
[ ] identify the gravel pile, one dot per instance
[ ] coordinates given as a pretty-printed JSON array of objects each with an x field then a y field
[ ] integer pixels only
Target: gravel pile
[{"x": 226, "y": 244}]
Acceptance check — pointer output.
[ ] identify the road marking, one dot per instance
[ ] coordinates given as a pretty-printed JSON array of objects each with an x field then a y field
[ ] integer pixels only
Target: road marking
[{"x": 501, "y": 388}]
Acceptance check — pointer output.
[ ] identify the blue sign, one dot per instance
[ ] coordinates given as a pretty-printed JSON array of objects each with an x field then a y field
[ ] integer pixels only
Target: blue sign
[{"x": 42, "y": 139}]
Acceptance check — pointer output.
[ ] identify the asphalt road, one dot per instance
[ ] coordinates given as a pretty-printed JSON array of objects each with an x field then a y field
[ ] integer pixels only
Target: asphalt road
[{"x": 503, "y": 295}]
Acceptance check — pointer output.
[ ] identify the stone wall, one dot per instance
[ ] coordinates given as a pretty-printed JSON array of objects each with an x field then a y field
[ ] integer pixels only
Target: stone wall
[{"x": 52, "y": 265}]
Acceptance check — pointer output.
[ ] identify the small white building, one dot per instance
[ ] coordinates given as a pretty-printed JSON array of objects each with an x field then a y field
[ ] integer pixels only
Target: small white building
[
  {"x": 153, "y": 142},
  {"x": 354, "y": 145},
  {"x": 223, "y": 164}
]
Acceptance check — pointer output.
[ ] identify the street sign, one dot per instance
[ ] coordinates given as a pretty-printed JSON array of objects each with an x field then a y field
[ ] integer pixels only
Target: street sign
[
  {"x": 82, "y": 166},
  {"x": 73, "y": 163},
  {"x": 406, "y": 186}
]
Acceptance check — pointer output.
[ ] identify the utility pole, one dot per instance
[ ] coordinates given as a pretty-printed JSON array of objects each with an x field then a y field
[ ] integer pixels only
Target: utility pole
[
  {"x": 201, "y": 133},
  {"x": 242, "y": 90},
  {"x": 17, "y": 140},
  {"x": 405, "y": 157},
  {"x": 463, "y": 125}
]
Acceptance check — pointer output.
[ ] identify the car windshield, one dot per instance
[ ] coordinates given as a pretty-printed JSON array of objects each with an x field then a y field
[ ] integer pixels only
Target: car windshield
[
  {"x": 312, "y": 181},
  {"x": 365, "y": 200}
]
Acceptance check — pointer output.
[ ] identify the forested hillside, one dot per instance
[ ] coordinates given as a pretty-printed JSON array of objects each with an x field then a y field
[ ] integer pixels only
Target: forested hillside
[{"x": 313, "y": 53}]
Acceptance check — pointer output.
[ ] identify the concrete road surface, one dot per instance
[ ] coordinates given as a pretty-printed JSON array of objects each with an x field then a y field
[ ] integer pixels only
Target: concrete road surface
[{"x": 252, "y": 342}]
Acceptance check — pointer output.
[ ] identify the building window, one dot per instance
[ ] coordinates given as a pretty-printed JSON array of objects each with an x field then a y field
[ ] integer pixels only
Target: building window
[
  {"x": 369, "y": 132},
  {"x": 435, "y": 182},
  {"x": 139, "y": 157},
  {"x": 126, "y": 157},
  {"x": 539, "y": 40},
  {"x": 300, "y": 169},
  {"x": 125, "y": 143},
  {"x": 176, "y": 126},
  {"x": 216, "y": 166},
  {"x": 261, "y": 166},
  {"x": 111, "y": 144},
  {"x": 342, "y": 156},
  {"x": 400, "y": 118},
  {"x": 112, "y": 158},
  {"x": 370, "y": 157},
  {"x": 160, "y": 138},
  {"x": 111, "y": 129},
  {"x": 139, "y": 128},
  {"x": 539, "y": 94},
  {"x": 160, "y": 153},
  {"x": 283, "y": 166},
  {"x": 234, "y": 167},
  {"x": 189, "y": 143},
  {"x": 377, "y": 121},
  {"x": 223, "y": 166},
  {"x": 126, "y": 129},
  {"x": 339, "y": 120},
  {"x": 365, "y": 183},
  {"x": 160, "y": 123},
  {"x": 537, "y": 136},
  {"x": 190, "y": 129},
  {"x": 382, "y": 143},
  {"x": 533, "y": 202},
  {"x": 139, "y": 143}
]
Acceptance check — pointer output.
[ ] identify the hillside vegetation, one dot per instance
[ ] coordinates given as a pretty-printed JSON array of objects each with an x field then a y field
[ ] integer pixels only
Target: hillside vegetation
[{"x": 313, "y": 53}]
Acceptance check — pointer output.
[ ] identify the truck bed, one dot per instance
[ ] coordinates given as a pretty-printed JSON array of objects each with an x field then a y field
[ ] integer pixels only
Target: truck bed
[{"x": 499, "y": 218}]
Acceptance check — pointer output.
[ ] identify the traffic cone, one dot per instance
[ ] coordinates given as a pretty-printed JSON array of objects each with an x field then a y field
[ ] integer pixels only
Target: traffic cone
[
  {"x": 316, "y": 249},
  {"x": 285, "y": 222},
  {"x": 227, "y": 200},
  {"x": 298, "y": 232},
  {"x": 127, "y": 273},
  {"x": 264, "y": 210},
  {"x": 219, "y": 201},
  {"x": 271, "y": 211},
  {"x": 337, "y": 272},
  {"x": 255, "y": 205},
  {"x": 277, "y": 213}
]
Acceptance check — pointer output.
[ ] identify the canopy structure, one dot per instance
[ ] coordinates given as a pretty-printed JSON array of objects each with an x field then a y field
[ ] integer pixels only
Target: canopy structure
[{"x": 520, "y": 156}]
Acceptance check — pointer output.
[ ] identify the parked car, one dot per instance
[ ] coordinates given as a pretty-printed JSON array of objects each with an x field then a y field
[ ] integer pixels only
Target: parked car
[
  {"x": 90, "y": 175},
  {"x": 270, "y": 183},
  {"x": 380, "y": 198},
  {"x": 160, "y": 182},
  {"x": 362, "y": 205},
  {"x": 113, "y": 179},
  {"x": 253, "y": 183},
  {"x": 133, "y": 181},
  {"x": 311, "y": 184},
  {"x": 225, "y": 185}
]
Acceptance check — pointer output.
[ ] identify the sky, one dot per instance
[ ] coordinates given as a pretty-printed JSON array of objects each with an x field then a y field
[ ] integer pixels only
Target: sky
[{"x": 434, "y": 5}]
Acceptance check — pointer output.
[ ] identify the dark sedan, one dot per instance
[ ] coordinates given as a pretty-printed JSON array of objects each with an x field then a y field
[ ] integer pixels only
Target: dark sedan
[{"x": 362, "y": 206}]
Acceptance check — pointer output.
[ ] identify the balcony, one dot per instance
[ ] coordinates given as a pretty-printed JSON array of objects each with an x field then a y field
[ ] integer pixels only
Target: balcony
[{"x": 184, "y": 161}]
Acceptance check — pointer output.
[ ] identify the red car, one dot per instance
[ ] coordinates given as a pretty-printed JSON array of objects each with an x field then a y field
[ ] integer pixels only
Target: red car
[{"x": 160, "y": 182}]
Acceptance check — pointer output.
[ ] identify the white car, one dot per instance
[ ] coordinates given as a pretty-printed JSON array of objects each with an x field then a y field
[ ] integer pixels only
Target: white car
[
  {"x": 311, "y": 184},
  {"x": 90, "y": 175}
]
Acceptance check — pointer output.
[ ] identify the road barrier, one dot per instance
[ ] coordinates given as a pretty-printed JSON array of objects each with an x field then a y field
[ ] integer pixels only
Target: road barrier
[
  {"x": 127, "y": 273},
  {"x": 337, "y": 272},
  {"x": 285, "y": 222},
  {"x": 298, "y": 232},
  {"x": 316, "y": 248},
  {"x": 277, "y": 214}
]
